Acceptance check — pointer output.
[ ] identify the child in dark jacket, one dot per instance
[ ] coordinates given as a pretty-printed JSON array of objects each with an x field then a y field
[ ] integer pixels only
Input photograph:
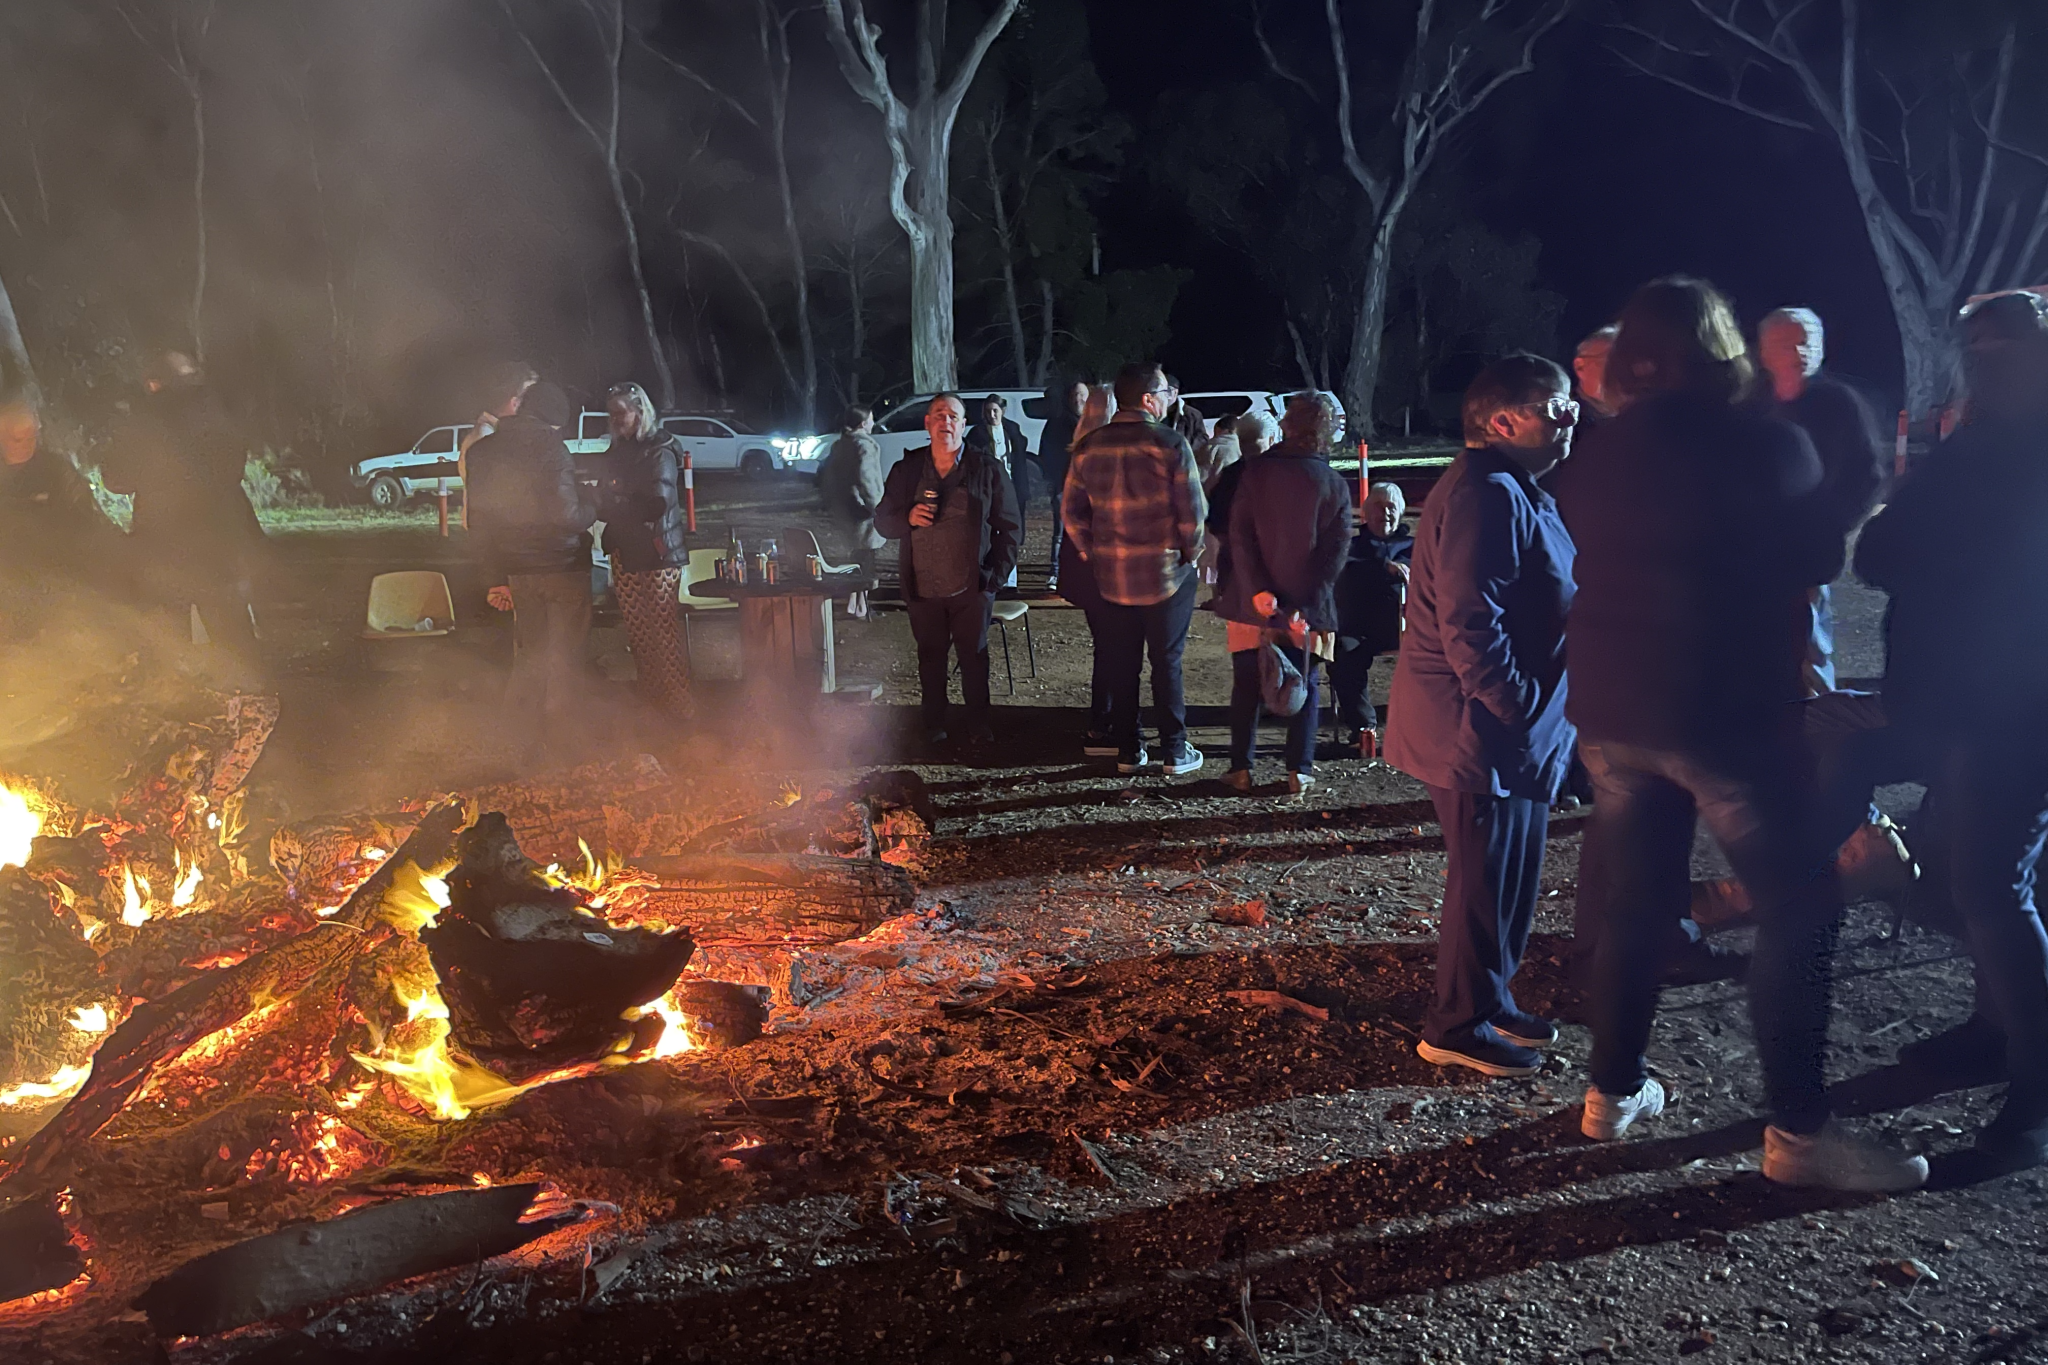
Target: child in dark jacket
[{"x": 1370, "y": 594}]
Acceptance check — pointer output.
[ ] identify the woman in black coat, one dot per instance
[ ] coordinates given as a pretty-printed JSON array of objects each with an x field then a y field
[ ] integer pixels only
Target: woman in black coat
[{"x": 643, "y": 533}]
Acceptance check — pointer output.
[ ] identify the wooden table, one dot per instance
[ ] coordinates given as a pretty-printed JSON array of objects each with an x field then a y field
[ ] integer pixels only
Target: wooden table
[{"x": 786, "y": 630}]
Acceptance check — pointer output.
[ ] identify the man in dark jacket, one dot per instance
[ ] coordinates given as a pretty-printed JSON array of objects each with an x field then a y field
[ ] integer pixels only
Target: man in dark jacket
[
  {"x": 1790, "y": 347},
  {"x": 1371, "y": 592},
  {"x": 1700, "y": 526},
  {"x": 955, "y": 511},
  {"x": 1966, "y": 684},
  {"x": 531, "y": 520},
  {"x": 1053, "y": 443},
  {"x": 1478, "y": 702},
  {"x": 998, "y": 435},
  {"x": 193, "y": 537},
  {"x": 1290, "y": 529}
]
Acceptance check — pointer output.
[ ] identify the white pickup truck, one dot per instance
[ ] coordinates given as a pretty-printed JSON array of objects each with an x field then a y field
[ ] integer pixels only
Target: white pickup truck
[{"x": 430, "y": 466}]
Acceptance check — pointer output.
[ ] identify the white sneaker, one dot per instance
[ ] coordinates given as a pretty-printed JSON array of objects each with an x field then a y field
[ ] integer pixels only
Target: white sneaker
[
  {"x": 1836, "y": 1159},
  {"x": 1607, "y": 1117}
]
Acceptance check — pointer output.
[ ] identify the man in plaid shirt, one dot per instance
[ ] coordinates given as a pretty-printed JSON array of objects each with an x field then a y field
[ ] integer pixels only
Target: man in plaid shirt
[{"x": 1134, "y": 509}]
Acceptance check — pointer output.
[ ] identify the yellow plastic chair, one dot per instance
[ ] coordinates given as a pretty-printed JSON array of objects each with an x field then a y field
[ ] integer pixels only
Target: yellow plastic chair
[{"x": 401, "y": 602}]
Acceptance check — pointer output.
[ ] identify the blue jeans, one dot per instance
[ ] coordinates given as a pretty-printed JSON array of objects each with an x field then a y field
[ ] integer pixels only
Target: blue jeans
[
  {"x": 1245, "y": 707},
  {"x": 1128, "y": 635},
  {"x": 1495, "y": 846},
  {"x": 1754, "y": 802}
]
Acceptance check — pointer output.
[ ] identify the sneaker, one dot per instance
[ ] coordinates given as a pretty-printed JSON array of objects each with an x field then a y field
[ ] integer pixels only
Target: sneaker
[
  {"x": 1836, "y": 1159},
  {"x": 1873, "y": 865},
  {"x": 1969, "y": 1055},
  {"x": 1298, "y": 784},
  {"x": 1239, "y": 780},
  {"x": 1485, "y": 1051},
  {"x": 1134, "y": 762},
  {"x": 1607, "y": 1116},
  {"x": 1098, "y": 745},
  {"x": 1527, "y": 1029},
  {"x": 1183, "y": 758}
]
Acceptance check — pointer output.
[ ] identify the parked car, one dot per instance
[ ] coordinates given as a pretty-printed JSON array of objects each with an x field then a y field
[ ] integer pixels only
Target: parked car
[
  {"x": 1232, "y": 404},
  {"x": 725, "y": 443},
  {"x": 390, "y": 481}
]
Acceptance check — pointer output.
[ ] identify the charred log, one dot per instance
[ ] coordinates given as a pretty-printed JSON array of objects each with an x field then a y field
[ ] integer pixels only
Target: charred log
[
  {"x": 768, "y": 901},
  {"x": 353, "y": 1254},
  {"x": 532, "y": 980},
  {"x": 36, "y": 1252},
  {"x": 162, "y": 1030}
]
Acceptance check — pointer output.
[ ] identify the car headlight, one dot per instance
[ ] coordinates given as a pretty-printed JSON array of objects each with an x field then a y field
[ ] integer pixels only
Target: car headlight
[{"x": 780, "y": 442}]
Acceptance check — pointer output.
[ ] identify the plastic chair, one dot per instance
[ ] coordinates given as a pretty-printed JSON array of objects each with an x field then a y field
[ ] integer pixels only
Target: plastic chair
[
  {"x": 702, "y": 568},
  {"x": 797, "y": 541},
  {"x": 400, "y": 602}
]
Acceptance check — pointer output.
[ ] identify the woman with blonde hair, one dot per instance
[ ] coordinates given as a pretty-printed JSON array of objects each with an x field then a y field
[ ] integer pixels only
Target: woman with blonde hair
[{"x": 643, "y": 533}]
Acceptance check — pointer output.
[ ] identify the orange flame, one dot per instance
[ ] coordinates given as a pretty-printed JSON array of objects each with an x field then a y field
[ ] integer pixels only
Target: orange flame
[{"x": 20, "y": 823}]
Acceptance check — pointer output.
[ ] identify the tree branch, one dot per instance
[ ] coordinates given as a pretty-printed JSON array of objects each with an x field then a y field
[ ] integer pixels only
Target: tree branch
[
  {"x": 1375, "y": 186},
  {"x": 1273, "y": 61},
  {"x": 690, "y": 74},
  {"x": 1732, "y": 100},
  {"x": 589, "y": 129}
]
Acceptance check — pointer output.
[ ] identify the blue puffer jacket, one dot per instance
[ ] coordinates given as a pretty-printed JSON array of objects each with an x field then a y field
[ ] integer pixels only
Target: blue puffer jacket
[{"x": 1479, "y": 690}]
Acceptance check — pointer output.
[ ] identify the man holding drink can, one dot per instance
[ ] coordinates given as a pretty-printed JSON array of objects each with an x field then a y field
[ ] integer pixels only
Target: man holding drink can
[{"x": 955, "y": 513}]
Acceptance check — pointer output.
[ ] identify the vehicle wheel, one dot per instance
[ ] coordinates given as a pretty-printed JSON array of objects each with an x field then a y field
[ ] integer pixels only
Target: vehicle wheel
[
  {"x": 386, "y": 494},
  {"x": 757, "y": 464}
]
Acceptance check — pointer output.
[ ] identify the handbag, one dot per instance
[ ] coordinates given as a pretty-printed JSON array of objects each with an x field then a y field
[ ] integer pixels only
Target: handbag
[{"x": 1282, "y": 688}]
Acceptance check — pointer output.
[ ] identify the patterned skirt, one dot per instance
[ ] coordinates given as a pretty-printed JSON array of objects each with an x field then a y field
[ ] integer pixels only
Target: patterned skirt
[{"x": 656, "y": 639}]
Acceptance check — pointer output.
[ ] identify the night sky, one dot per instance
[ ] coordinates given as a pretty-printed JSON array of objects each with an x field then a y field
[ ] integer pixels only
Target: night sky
[{"x": 1621, "y": 177}]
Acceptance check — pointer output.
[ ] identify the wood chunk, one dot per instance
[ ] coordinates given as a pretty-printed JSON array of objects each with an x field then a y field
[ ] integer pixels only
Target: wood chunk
[
  {"x": 36, "y": 1252},
  {"x": 353, "y": 1254},
  {"x": 762, "y": 899},
  {"x": 160, "y": 1031}
]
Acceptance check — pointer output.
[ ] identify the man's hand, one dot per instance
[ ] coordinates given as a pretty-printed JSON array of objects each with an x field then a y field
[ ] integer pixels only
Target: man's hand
[
  {"x": 1399, "y": 570},
  {"x": 1265, "y": 604},
  {"x": 924, "y": 514},
  {"x": 500, "y": 598}
]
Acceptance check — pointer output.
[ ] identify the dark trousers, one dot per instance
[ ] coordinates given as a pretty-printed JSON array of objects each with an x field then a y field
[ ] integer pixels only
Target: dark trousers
[
  {"x": 1993, "y": 798},
  {"x": 1246, "y": 706},
  {"x": 1349, "y": 672},
  {"x": 1590, "y": 910},
  {"x": 551, "y": 633},
  {"x": 1160, "y": 630},
  {"x": 942, "y": 626},
  {"x": 1102, "y": 671},
  {"x": 1495, "y": 847},
  {"x": 1756, "y": 806}
]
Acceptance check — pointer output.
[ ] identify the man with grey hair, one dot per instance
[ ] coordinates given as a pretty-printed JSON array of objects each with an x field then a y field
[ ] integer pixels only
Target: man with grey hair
[
  {"x": 1370, "y": 594},
  {"x": 1791, "y": 347}
]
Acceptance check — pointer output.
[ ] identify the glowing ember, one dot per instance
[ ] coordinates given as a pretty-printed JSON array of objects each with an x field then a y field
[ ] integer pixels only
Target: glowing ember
[
  {"x": 416, "y": 897},
  {"x": 19, "y": 825},
  {"x": 135, "y": 909},
  {"x": 188, "y": 884},
  {"x": 91, "y": 1019},
  {"x": 59, "y": 1086},
  {"x": 374, "y": 854}
]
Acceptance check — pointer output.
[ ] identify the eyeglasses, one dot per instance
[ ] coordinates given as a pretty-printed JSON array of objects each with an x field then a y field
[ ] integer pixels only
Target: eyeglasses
[{"x": 1553, "y": 410}]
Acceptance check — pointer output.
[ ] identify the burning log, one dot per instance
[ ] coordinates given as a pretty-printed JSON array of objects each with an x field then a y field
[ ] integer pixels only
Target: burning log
[
  {"x": 531, "y": 979},
  {"x": 162, "y": 1030},
  {"x": 887, "y": 815},
  {"x": 353, "y": 1254},
  {"x": 36, "y": 1251},
  {"x": 749, "y": 900},
  {"x": 51, "y": 973}
]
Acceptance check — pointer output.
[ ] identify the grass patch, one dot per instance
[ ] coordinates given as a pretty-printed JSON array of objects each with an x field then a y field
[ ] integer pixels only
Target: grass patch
[{"x": 288, "y": 520}]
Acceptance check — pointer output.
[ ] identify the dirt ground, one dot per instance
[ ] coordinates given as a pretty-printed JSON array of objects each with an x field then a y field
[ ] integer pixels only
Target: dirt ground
[{"x": 1137, "y": 1083}]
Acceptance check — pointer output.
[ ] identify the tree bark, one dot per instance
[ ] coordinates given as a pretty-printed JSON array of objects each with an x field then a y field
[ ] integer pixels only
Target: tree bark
[
  {"x": 19, "y": 379},
  {"x": 1045, "y": 306},
  {"x": 774, "y": 31},
  {"x": 1012, "y": 305},
  {"x": 1368, "y": 326}
]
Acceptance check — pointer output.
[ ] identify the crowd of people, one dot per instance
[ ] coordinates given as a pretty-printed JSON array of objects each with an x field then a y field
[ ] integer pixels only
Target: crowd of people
[{"x": 1618, "y": 589}]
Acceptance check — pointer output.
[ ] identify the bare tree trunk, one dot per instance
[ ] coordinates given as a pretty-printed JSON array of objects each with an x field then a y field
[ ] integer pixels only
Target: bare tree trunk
[
  {"x": 775, "y": 59},
  {"x": 919, "y": 135},
  {"x": 609, "y": 16},
  {"x": 1006, "y": 244},
  {"x": 198, "y": 218},
  {"x": 1301, "y": 361}
]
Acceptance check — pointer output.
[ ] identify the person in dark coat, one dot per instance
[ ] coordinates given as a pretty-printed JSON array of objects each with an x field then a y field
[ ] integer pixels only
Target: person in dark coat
[
  {"x": 640, "y": 504},
  {"x": 1055, "y": 440},
  {"x": 954, "y": 510},
  {"x": 996, "y": 434},
  {"x": 1370, "y": 594},
  {"x": 531, "y": 520},
  {"x": 1790, "y": 347},
  {"x": 850, "y": 486},
  {"x": 1700, "y": 525},
  {"x": 1478, "y": 702},
  {"x": 1290, "y": 530},
  {"x": 1966, "y": 683},
  {"x": 194, "y": 538}
]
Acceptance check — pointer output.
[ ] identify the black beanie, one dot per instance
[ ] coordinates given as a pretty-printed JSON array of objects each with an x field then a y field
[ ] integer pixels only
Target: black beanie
[{"x": 547, "y": 403}]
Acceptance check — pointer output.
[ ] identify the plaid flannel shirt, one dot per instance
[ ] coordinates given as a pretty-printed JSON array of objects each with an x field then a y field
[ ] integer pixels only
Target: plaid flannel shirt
[{"x": 1134, "y": 509}]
